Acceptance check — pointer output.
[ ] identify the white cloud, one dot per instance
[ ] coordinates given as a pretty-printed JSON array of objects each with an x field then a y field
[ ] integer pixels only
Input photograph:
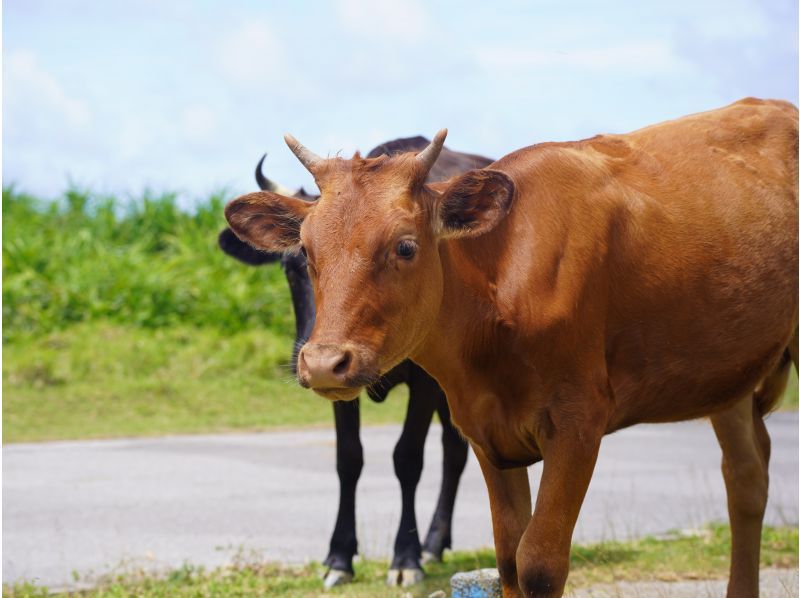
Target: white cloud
[
  {"x": 640, "y": 57},
  {"x": 31, "y": 89},
  {"x": 251, "y": 54},
  {"x": 384, "y": 19},
  {"x": 199, "y": 124},
  {"x": 46, "y": 129},
  {"x": 734, "y": 19}
]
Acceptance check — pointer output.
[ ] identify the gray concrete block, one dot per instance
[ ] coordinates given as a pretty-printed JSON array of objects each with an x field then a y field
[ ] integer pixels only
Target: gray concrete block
[{"x": 480, "y": 583}]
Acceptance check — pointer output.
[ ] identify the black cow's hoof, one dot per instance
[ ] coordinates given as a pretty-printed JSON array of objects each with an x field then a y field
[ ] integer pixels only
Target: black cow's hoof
[
  {"x": 430, "y": 557},
  {"x": 404, "y": 577},
  {"x": 436, "y": 543},
  {"x": 335, "y": 577}
]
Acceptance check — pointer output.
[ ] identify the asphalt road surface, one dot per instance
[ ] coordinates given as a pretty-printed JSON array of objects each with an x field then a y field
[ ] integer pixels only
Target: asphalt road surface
[{"x": 98, "y": 506}]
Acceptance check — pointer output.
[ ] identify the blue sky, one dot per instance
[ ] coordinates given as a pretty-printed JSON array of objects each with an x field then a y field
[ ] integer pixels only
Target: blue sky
[{"x": 186, "y": 95}]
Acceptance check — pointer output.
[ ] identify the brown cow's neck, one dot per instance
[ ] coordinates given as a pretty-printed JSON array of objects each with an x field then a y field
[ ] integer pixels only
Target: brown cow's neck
[
  {"x": 471, "y": 350},
  {"x": 467, "y": 317}
]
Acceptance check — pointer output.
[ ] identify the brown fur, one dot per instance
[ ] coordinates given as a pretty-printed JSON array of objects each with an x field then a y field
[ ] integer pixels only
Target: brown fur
[
  {"x": 647, "y": 277},
  {"x": 263, "y": 212}
]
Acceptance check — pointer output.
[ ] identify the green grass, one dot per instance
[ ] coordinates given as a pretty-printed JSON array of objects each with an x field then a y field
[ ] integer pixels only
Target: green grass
[
  {"x": 141, "y": 262},
  {"x": 100, "y": 379},
  {"x": 704, "y": 556}
]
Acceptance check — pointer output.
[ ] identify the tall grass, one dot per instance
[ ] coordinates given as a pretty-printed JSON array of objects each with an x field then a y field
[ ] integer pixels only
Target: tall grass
[{"x": 142, "y": 262}]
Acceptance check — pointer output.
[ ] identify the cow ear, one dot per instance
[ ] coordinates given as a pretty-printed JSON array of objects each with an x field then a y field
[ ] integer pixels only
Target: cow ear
[
  {"x": 268, "y": 221},
  {"x": 474, "y": 203},
  {"x": 236, "y": 248}
]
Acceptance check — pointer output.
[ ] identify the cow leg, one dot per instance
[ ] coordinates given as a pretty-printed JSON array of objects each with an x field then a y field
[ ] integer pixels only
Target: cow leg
[
  {"x": 745, "y": 445},
  {"x": 454, "y": 449},
  {"x": 408, "y": 458},
  {"x": 510, "y": 504},
  {"x": 569, "y": 451},
  {"x": 349, "y": 462}
]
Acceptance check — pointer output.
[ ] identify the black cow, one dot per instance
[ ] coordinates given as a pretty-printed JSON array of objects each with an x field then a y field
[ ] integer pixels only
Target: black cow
[{"x": 425, "y": 397}]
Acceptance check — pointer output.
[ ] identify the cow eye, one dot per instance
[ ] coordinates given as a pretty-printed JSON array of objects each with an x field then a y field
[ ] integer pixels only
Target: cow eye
[
  {"x": 406, "y": 248},
  {"x": 303, "y": 251}
]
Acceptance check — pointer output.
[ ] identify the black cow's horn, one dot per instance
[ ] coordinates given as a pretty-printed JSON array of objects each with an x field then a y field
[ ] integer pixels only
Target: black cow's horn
[
  {"x": 266, "y": 184},
  {"x": 308, "y": 158},
  {"x": 427, "y": 157}
]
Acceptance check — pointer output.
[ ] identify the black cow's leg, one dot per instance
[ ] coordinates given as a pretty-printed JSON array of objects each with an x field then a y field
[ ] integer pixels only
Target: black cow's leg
[
  {"x": 349, "y": 461},
  {"x": 455, "y": 450},
  {"x": 408, "y": 457}
]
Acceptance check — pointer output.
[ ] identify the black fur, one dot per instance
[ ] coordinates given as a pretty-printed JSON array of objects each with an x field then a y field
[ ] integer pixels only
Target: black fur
[{"x": 235, "y": 247}]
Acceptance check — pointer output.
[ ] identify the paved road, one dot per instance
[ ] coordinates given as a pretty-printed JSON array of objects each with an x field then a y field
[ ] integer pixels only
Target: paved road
[
  {"x": 773, "y": 583},
  {"x": 89, "y": 506}
]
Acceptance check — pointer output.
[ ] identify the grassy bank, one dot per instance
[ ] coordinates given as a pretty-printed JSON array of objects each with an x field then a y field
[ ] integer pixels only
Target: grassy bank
[
  {"x": 100, "y": 379},
  {"x": 704, "y": 556}
]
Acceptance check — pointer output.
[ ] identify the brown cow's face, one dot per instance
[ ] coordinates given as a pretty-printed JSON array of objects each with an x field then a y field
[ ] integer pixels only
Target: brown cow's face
[
  {"x": 372, "y": 242},
  {"x": 373, "y": 260}
]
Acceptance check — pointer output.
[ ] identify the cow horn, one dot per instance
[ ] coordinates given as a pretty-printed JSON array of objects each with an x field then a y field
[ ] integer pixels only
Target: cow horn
[
  {"x": 427, "y": 157},
  {"x": 308, "y": 158},
  {"x": 267, "y": 185}
]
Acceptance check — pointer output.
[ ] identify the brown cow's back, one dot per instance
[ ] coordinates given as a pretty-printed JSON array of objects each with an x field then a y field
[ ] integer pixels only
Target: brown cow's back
[{"x": 675, "y": 246}]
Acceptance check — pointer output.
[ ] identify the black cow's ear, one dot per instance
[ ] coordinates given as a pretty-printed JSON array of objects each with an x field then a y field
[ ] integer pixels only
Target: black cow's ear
[
  {"x": 474, "y": 203},
  {"x": 235, "y": 247},
  {"x": 268, "y": 221}
]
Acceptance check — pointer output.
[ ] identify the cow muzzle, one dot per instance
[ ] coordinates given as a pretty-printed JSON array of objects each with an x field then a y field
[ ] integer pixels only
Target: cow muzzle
[{"x": 336, "y": 372}]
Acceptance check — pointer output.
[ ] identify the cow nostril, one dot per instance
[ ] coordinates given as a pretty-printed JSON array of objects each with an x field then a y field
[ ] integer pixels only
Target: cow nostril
[{"x": 343, "y": 365}]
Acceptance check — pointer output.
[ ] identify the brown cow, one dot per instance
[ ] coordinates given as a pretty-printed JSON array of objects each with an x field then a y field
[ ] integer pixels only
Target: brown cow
[{"x": 564, "y": 292}]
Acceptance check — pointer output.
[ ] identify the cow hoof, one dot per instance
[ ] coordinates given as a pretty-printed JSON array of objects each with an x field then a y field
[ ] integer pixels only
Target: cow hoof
[
  {"x": 412, "y": 577},
  {"x": 335, "y": 577},
  {"x": 429, "y": 557},
  {"x": 404, "y": 577}
]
